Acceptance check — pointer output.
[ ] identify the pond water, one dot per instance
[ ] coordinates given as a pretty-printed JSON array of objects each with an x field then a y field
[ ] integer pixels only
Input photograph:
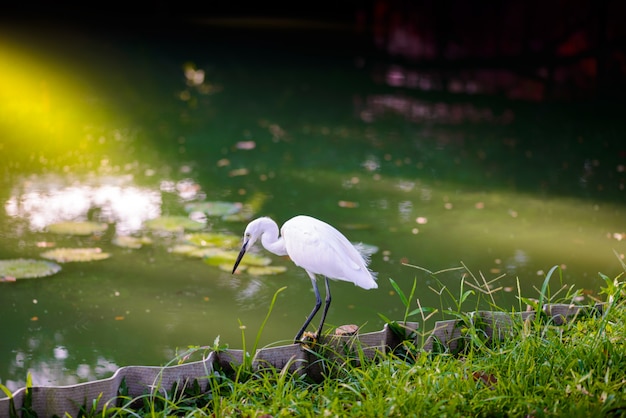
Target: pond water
[{"x": 124, "y": 130}]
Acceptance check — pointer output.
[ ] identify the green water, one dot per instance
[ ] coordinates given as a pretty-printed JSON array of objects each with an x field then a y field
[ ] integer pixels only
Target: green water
[{"x": 111, "y": 130}]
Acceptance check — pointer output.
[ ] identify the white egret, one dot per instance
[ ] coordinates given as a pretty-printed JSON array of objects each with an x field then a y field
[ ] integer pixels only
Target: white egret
[{"x": 318, "y": 248}]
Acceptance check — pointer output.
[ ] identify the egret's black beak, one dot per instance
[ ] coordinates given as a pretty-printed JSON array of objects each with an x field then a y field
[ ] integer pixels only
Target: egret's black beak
[{"x": 240, "y": 256}]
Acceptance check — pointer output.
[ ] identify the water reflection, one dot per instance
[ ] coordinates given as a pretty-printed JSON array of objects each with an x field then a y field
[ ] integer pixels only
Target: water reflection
[
  {"x": 185, "y": 189},
  {"x": 57, "y": 368},
  {"x": 375, "y": 107},
  {"x": 45, "y": 200},
  {"x": 247, "y": 297},
  {"x": 519, "y": 260},
  {"x": 474, "y": 82}
]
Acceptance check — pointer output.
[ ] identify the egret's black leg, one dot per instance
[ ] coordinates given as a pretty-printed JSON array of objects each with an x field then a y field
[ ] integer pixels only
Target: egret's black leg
[
  {"x": 326, "y": 306},
  {"x": 318, "y": 304}
]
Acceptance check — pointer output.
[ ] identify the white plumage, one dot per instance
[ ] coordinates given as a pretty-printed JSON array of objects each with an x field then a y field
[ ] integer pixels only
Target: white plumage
[{"x": 315, "y": 246}]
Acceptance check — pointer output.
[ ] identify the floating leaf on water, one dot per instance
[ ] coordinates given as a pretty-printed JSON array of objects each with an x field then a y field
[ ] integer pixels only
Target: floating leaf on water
[
  {"x": 183, "y": 249},
  {"x": 255, "y": 260},
  {"x": 209, "y": 239},
  {"x": 222, "y": 257},
  {"x": 193, "y": 251},
  {"x": 246, "y": 145},
  {"x": 347, "y": 204},
  {"x": 77, "y": 228},
  {"x": 126, "y": 241},
  {"x": 24, "y": 268},
  {"x": 239, "y": 172},
  {"x": 173, "y": 224},
  {"x": 68, "y": 255},
  {"x": 206, "y": 252},
  {"x": 266, "y": 270},
  {"x": 254, "y": 270},
  {"x": 225, "y": 257},
  {"x": 229, "y": 268},
  {"x": 214, "y": 208}
]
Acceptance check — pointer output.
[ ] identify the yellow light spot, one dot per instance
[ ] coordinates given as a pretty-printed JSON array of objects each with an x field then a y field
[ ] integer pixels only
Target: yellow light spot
[{"x": 45, "y": 107}]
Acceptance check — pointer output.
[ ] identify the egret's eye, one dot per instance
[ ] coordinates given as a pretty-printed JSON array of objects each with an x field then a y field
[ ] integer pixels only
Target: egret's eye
[{"x": 247, "y": 235}]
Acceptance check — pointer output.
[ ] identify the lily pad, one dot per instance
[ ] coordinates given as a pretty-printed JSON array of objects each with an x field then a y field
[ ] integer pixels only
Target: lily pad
[
  {"x": 266, "y": 270},
  {"x": 68, "y": 255},
  {"x": 214, "y": 208},
  {"x": 77, "y": 228},
  {"x": 183, "y": 249},
  {"x": 254, "y": 270},
  {"x": 24, "y": 268},
  {"x": 206, "y": 252},
  {"x": 174, "y": 224},
  {"x": 222, "y": 257},
  {"x": 225, "y": 257},
  {"x": 126, "y": 241},
  {"x": 229, "y": 267},
  {"x": 208, "y": 239},
  {"x": 194, "y": 251}
]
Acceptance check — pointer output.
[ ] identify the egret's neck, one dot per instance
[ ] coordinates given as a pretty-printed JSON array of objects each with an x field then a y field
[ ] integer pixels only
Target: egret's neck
[{"x": 270, "y": 239}]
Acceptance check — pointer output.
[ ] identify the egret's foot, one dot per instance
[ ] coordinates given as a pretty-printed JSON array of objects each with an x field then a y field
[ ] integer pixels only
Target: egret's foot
[{"x": 308, "y": 339}]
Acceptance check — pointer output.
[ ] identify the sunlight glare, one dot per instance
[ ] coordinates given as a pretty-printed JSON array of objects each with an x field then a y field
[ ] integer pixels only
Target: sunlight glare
[{"x": 43, "y": 201}]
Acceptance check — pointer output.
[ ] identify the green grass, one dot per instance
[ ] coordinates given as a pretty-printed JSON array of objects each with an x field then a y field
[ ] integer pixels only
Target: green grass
[
  {"x": 577, "y": 369},
  {"x": 545, "y": 371}
]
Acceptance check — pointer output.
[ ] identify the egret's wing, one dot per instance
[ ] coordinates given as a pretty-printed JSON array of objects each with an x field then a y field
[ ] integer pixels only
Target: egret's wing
[
  {"x": 349, "y": 254},
  {"x": 321, "y": 249}
]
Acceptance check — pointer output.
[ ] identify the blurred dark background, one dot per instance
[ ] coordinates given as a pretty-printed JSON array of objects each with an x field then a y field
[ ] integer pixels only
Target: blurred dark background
[{"x": 528, "y": 50}]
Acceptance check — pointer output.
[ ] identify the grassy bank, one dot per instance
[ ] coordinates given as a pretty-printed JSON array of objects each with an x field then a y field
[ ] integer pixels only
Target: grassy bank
[{"x": 541, "y": 369}]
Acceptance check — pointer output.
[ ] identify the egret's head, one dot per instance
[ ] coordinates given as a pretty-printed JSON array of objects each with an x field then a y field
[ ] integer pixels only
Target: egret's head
[{"x": 252, "y": 233}]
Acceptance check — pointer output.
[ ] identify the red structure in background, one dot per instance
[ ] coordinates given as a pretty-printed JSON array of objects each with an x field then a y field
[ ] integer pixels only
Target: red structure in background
[
  {"x": 525, "y": 49},
  {"x": 556, "y": 49}
]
